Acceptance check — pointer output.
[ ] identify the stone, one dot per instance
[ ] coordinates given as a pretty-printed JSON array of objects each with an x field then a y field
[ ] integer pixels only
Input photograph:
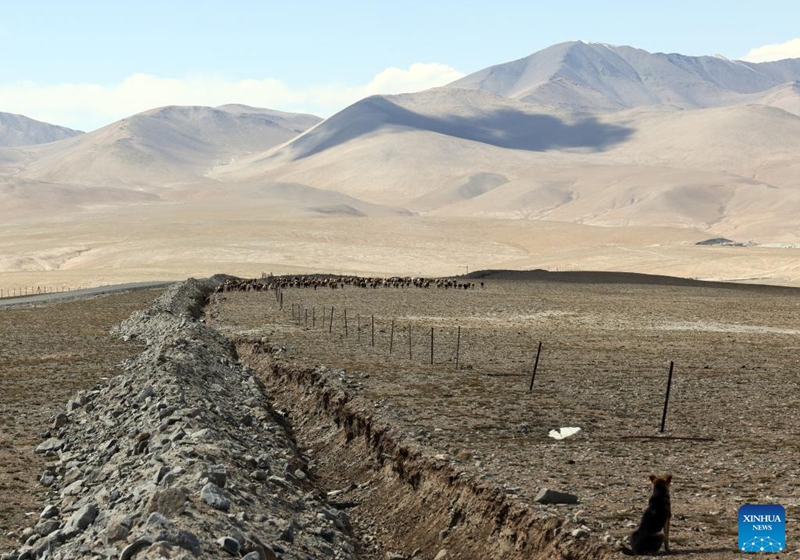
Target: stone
[
  {"x": 158, "y": 521},
  {"x": 144, "y": 394},
  {"x": 47, "y": 478},
  {"x": 134, "y": 548},
  {"x": 213, "y": 495},
  {"x": 46, "y": 544},
  {"x": 229, "y": 545},
  {"x": 48, "y": 512},
  {"x": 52, "y": 444},
  {"x": 441, "y": 555},
  {"x": 287, "y": 535},
  {"x": 547, "y": 496},
  {"x": 60, "y": 420},
  {"x": 180, "y": 538},
  {"x": 47, "y": 526},
  {"x": 395, "y": 556},
  {"x": 72, "y": 475},
  {"x": 259, "y": 475},
  {"x": 580, "y": 532},
  {"x": 73, "y": 489},
  {"x": 217, "y": 474},
  {"x": 160, "y": 474},
  {"x": 80, "y": 520},
  {"x": 118, "y": 527},
  {"x": 252, "y": 556},
  {"x": 170, "y": 501},
  {"x": 265, "y": 551}
]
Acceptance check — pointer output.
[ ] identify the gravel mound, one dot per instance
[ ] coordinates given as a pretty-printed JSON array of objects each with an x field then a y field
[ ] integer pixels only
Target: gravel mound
[{"x": 180, "y": 456}]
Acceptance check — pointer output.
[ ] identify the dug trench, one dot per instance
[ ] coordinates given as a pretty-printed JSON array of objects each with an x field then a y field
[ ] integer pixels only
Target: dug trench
[{"x": 404, "y": 500}]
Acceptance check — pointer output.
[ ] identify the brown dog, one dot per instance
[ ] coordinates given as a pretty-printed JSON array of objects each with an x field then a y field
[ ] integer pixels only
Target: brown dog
[{"x": 653, "y": 530}]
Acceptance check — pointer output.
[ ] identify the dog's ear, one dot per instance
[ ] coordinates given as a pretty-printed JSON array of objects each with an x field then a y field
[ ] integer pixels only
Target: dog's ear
[
  {"x": 653, "y": 478},
  {"x": 668, "y": 478}
]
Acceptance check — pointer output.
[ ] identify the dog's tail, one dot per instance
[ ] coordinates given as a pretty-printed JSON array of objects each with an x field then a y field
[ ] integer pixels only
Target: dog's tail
[{"x": 644, "y": 543}]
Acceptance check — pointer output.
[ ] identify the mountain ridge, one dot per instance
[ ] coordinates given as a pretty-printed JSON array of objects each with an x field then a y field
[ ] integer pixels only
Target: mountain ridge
[
  {"x": 19, "y": 130},
  {"x": 583, "y": 133},
  {"x": 599, "y": 77},
  {"x": 171, "y": 144}
]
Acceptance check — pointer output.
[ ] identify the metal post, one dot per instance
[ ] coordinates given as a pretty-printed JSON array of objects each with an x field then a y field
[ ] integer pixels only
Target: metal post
[
  {"x": 458, "y": 345},
  {"x": 666, "y": 399},
  {"x": 431, "y": 345},
  {"x": 535, "y": 365}
]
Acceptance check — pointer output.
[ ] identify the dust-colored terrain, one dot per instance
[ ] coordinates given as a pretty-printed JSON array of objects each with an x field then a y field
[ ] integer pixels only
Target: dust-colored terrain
[
  {"x": 606, "y": 353},
  {"x": 247, "y": 238},
  {"x": 47, "y": 353}
]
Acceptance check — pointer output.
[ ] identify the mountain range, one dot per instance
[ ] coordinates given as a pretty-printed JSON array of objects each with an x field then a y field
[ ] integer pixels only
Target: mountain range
[{"x": 579, "y": 132}]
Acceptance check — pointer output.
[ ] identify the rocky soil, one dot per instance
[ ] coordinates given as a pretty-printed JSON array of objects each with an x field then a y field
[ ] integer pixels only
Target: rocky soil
[
  {"x": 730, "y": 432},
  {"x": 47, "y": 354},
  {"x": 241, "y": 430},
  {"x": 179, "y": 456}
]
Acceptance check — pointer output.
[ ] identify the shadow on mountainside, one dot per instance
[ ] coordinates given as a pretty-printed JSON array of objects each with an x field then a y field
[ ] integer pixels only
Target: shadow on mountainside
[{"x": 505, "y": 128}]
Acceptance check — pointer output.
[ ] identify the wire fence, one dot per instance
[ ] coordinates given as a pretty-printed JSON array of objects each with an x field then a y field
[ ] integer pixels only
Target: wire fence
[
  {"x": 440, "y": 345},
  {"x": 24, "y": 291}
]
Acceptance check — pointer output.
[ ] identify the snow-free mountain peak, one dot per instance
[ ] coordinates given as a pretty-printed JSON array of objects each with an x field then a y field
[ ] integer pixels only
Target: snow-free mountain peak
[
  {"x": 173, "y": 144},
  {"x": 598, "y": 77},
  {"x": 19, "y": 130}
]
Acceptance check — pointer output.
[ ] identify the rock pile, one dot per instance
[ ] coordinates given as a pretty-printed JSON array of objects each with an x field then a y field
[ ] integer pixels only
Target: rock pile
[{"x": 181, "y": 456}]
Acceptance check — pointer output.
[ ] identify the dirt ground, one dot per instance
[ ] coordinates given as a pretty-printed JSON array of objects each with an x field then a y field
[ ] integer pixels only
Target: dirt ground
[
  {"x": 47, "y": 353},
  {"x": 603, "y": 368}
]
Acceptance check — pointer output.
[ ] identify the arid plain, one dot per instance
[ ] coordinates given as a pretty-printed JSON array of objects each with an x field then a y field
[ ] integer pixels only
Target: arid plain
[
  {"x": 608, "y": 341},
  {"x": 176, "y": 241}
]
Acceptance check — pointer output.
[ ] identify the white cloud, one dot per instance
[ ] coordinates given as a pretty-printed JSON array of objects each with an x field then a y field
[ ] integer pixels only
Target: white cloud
[
  {"x": 768, "y": 53},
  {"x": 88, "y": 106}
]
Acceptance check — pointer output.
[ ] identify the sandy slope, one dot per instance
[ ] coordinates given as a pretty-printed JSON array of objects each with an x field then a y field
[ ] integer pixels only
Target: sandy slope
[
  {"x": 729, "y": 170},
  {"x": 162, "y": 146}
]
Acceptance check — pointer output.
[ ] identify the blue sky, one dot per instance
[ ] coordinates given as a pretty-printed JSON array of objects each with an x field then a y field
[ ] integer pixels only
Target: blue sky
[{"x": 68, "y": 62}]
